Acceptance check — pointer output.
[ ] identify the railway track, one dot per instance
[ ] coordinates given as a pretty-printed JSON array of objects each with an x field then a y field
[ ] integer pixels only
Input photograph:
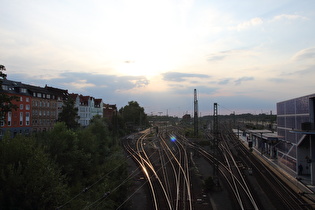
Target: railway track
[
  {"x": 165, "y": 163},
  {"x": 282, "y": 195}
]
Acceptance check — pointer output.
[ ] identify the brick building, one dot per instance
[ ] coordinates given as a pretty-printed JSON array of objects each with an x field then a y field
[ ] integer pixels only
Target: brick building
[{"x": 17, "y": 121}]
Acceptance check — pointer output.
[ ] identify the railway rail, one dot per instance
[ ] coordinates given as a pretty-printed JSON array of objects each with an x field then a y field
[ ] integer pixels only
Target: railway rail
[
  {"x": 166, "y": 170},
  {"x": 165, "y": 163}
]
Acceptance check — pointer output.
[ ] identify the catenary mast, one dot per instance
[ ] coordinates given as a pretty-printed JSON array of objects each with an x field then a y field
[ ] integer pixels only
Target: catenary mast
[{"x": 195, "y": 113}]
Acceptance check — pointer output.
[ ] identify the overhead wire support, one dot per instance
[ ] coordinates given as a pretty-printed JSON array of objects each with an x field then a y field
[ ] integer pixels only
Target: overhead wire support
[
  {"x": 216, "y": 136},
  {"x": 195, "y": 113}
]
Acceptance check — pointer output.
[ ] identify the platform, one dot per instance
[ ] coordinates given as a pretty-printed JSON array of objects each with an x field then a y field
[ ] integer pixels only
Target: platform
[{"x": 300, "y": 183}]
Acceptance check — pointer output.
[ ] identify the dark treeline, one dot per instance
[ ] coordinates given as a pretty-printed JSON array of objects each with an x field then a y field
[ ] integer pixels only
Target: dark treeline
[{"x": 63, "y": 168}]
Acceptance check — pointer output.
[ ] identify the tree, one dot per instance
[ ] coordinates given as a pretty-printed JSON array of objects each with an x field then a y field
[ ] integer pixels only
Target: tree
[
  {"x": 6, "y": 104},
  {"x": 69, "y": 114},
  {"x": 29, "y": 177},
  {"x": 133, "y": 115}
]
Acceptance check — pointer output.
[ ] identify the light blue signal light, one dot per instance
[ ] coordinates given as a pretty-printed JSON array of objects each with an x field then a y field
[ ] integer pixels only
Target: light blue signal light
[{"x": 173, "y": 138}]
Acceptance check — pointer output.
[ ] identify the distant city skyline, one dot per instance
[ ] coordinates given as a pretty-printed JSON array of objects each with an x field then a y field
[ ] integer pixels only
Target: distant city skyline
[{"x": 244, "y": 55}]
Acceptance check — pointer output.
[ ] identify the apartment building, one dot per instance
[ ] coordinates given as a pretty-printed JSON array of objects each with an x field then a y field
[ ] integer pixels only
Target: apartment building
[
  {"x": 39, "y": 108},
  {"x": 44, "y": 108},
  {"x": 88, "y": 107},
  {"x": 17, "y": 121},
  {"x": 60, "y": 95}
]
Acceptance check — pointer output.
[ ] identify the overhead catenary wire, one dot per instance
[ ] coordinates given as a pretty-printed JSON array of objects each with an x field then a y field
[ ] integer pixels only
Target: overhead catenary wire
[
  {"x": 86, "y": 189},
  {"x": 113, "y": 190}
]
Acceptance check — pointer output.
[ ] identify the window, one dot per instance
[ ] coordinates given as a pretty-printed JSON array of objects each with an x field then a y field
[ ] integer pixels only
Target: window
[
  {"x": 39, "y": 95},
  {"x": 27, "y": 107},
  {"x": 21, "y": 118},
  {"x": 21, "y": 98},
  {"x": 23, "y": 90},
  {"x": 21, "y": 106},
  {"x": 48, "y": 96},
  {"x": 5, "y": 87},
  {"x": 27, "y": 118},
  {"x": 27, "y": 99},
  {"x": 9, "y": 118}
]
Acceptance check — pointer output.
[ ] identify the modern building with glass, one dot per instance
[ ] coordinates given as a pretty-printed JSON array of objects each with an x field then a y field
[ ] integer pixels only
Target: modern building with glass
[{"x": 296, "y": 134}]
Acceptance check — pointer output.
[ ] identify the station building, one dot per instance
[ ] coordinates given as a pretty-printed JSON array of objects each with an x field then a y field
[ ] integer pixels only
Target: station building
[{"x": 296, "y": 135}]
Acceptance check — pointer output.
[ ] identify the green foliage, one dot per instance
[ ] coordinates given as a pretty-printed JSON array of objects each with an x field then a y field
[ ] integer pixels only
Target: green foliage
[
  {"x": 134, "y": 116},
  {"x": 29, "y": 178},
  {"x": 67, "y": 167},
  {"x": 85, "y": 157},
  {"x": 63, "y": 168},
  {"x": 69, "y": 114},
  {"x": 6, "y": 104}
]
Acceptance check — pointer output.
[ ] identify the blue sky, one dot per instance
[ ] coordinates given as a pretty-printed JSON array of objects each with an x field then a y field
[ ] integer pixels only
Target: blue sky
[{"x": 245, "y": 55}]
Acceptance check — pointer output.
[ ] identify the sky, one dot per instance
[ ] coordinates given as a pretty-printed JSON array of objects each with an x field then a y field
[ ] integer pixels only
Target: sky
[{"x": 244, "y": 55}]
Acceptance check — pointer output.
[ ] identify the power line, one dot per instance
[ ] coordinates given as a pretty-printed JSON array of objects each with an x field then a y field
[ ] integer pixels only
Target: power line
[
  {"x": 106, "y": 194},
  {"x": 226, "y": 108},
  {"x": 89, "y": 187}
]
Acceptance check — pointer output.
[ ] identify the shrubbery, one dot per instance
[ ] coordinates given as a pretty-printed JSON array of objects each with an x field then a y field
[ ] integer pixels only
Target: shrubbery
[{"x": 63, "y": 168}]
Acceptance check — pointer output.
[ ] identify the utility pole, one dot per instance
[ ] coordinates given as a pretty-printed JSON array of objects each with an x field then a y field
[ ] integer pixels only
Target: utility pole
[
  {"x": 215, "y": 134},
  {"x": 195, "y": 113}
]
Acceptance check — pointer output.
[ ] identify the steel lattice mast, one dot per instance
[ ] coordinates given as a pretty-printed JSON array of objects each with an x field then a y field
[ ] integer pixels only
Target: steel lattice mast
[
  {"x": 195, "y": 113},
  {"x": 215, "y": 134}
]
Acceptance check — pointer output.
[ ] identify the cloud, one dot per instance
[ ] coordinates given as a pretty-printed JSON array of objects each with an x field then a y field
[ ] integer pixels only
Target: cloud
[
  {"x": 288, "y": 17},
  {"x": 188, "y": 90},
  {"x": 216, "y": 57},
  {"x": 248, "y": 24},
  {"x": 224, "y": 81},
  {"x": 308, "y": 70},
  {"x": 80, "y": 84},
  {"x": 141, "y": 82},
  {"x": 230, "y": 53},
  {"x": 308, "y": 53},
  {"x": 220, "y": 55},
  {"x": 87, "y": 82},
  {"x": 278, "y": 80},
  {"x": 243, "y": 79},
  {"x": 180, "y": 77}
]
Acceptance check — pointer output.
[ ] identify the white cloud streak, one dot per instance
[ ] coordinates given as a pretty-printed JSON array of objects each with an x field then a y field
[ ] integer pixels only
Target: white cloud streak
[
  {"x": 248, "y": 24},
  {"x": 289, "y": 17}
]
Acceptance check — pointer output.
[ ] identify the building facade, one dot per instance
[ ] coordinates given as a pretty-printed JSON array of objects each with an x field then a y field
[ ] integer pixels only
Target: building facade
[
  {"x": 60, "y": 95},
  {"x": 44, "y": 109},
  {"x": 295, "y": 119},
  {"x": 17, "y": 121},
  {"x": 39, "y": 108},
  {"x": 88, "y": 107},
  {"x": 109, "y": 111}
]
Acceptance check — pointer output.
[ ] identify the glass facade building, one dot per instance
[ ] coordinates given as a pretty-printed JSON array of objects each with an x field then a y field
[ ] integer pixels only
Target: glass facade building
[{"x": 294, "y": 118}]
